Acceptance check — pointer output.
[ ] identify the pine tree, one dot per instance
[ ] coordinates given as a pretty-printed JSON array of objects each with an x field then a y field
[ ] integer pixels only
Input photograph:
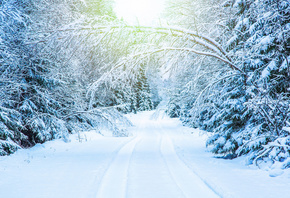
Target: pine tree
[
  {"x": 38, "y": 97},
  {"x": 261, "y": 39}
]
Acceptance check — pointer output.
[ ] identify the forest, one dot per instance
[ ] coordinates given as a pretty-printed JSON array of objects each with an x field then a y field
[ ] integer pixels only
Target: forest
[{"x": 222, "y": 66}]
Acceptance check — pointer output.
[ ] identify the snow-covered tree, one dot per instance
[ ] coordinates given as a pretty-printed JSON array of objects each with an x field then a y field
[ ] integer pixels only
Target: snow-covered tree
[
  {"x": 42, "y": 91},
  {"x": 247, "y": 113},
  {"x": 226, "y": 65},
  {"x": 253, "y": 115}
]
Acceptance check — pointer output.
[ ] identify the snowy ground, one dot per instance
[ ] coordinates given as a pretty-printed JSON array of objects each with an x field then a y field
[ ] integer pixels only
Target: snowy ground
[{"x": 161, "y": 159}]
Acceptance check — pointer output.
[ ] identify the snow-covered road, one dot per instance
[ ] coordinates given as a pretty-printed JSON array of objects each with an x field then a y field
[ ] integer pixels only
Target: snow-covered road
[
  {"x": 148, "y": 166},
  {"x": 161, "y": 159}
]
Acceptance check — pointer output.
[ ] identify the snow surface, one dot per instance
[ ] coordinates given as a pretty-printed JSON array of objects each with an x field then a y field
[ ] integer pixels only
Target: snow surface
[{"x": 161, "y": 159}]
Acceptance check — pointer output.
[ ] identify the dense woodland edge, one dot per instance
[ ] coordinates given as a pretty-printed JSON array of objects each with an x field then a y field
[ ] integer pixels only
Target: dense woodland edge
[{"x": 219, "y": 65}]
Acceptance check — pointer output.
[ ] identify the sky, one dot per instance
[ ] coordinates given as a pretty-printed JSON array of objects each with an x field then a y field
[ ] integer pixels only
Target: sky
[{"x": 143, "y": 12}]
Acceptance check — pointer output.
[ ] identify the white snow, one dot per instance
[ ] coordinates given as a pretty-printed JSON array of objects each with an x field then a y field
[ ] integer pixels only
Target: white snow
[
  {"x": 286, "y": 129},
  {"x": 242, "y": 23},
  {"x": 161, "y": 159},
  {"x": 232, "y": 40},
  {"x": 285, "y": 63},
  {"x": 265, "y": 42},
  {"x": 271, "y": 66},
  {"x": 238, "y": 3}
]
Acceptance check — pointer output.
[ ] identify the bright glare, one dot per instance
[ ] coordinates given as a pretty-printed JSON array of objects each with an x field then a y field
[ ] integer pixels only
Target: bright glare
[{"x": 144, "y": 12}]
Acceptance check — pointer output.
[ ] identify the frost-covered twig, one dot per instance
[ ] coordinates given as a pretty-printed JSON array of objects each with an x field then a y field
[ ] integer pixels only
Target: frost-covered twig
[{"x": 202, "y": 40}]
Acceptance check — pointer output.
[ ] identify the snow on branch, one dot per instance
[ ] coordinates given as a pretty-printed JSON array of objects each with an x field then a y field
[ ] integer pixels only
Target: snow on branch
[
  {"x": 96, "y": 84},
  {"x": 189, "y": 42},
  {"x": 199, "y": 53},
  {"x": 216, "y": 49},
  {"x": 197, "y": 38}
]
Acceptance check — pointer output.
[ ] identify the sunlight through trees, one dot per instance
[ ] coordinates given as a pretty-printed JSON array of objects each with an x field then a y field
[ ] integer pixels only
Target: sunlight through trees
[{"x": 221, "y": 66}]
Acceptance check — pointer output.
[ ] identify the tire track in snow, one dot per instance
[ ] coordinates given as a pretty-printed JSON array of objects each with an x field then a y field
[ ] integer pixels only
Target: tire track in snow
[
  {"x": 94, "y": 185},
  {"x": 190, "y": 184},
  {"x": 114, "y": 181},
  {"x": 149, "y": 176},
  {"x": 167, "y": 167}
]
